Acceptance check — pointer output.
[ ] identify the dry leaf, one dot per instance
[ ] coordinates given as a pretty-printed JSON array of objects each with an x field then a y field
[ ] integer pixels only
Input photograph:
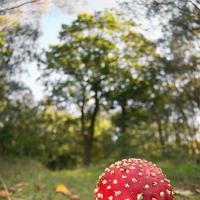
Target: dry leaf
[
  {"x": 60, "y": 188},
  {"x": 4, "y": 194},
  {"x": 74, "y": 197}
]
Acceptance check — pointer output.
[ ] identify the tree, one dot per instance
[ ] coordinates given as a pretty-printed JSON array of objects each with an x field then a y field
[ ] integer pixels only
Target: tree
[
  {"x": 179, "y": 45},
  {"x": 94, "y": 53},
  {"x": 17, "y": 45},
  {"x": 130, "y": 89},
  {"x": 84, "y": 57}
]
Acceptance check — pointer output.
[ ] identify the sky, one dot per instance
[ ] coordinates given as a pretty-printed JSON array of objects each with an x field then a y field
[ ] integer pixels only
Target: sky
[{"x": 50, "y": 26}]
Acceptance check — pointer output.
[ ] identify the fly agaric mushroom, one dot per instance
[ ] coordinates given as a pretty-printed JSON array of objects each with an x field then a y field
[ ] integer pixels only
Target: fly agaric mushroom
[{"x": 133, "y": 179}]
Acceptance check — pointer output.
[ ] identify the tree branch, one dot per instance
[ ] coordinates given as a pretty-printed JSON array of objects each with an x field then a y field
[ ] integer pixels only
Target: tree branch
[{"x": 17, "y": 6}]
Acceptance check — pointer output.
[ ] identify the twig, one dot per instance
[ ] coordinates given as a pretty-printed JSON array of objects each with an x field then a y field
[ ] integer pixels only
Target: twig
[
  {"x": 5, "y": 188},
  {"x": 17, "y": 6}
]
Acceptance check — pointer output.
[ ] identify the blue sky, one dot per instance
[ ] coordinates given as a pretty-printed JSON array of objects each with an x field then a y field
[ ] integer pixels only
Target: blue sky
[{"x": 50, "y": 26}]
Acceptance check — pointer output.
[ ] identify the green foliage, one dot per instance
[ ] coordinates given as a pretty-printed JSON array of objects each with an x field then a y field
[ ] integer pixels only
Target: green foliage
[
  {"x": 47, "y": 136},
  {"x": 59, "y": 141}
]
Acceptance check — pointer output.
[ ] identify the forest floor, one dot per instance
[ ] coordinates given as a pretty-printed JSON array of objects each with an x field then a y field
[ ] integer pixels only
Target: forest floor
[{"x": 29, "y": 180}]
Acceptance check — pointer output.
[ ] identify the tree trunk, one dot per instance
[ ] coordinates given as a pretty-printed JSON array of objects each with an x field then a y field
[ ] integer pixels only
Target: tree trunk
[
  {"x": 160, "y": 132},
  {"x": 123, "y": 137},
  {"x": 88, "y": 138},
  {"x": 87, "y": 151},
  {"x": 123, "y": 124},
  {"x": 86, "y": 145}
]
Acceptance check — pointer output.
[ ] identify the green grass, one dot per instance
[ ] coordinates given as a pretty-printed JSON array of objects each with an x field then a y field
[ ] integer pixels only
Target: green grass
[{"x": 29, "y": 180}]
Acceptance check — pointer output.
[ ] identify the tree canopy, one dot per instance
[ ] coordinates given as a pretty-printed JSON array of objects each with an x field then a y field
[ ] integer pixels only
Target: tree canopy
[{"x": 102, "y": 57}]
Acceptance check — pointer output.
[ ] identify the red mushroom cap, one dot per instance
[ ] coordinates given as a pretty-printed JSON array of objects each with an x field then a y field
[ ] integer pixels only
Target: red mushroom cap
[{"x": 133, "y": 179}]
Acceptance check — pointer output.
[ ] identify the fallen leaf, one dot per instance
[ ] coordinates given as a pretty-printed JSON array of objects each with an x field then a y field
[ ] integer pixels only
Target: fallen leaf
[
  {"x": 60, "y": 188},
  {"x": 4, "y": 194},
  {"x": 74, "y": 197}
]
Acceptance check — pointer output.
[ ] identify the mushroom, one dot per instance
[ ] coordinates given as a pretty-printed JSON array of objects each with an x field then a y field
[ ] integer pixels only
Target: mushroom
[{"x": 133, "y": 179}]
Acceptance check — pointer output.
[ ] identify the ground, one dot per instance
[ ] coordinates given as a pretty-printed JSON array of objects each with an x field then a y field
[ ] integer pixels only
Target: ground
[{"x": 29, "y": 180}]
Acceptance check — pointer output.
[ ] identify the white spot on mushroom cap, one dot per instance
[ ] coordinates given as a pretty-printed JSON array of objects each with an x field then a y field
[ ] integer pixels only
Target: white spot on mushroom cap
[
  {"x": 124, "y": 176},
  {"x": 117, "y": 193},
  {"x": 126, "y": 185},
  {"x": 134, "y": 180},
  {"x": 100, "y": 195},
  {"x": 140, "y": 196},
  {"x": 108, "y": 187},
  {"x": 162, "y": 194},
  {"x": 146, "y": 187},
  {"x": 168, "y": 192}
]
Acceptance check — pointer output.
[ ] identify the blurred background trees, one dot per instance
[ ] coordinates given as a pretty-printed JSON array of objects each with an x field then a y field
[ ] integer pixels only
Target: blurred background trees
[
  {"x": 131, "y": 96},
  {"x": 179, "y": 43}
]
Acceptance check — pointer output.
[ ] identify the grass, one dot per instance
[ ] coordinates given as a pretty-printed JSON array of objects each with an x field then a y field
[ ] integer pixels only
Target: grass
[{"x": 29, "y": 180}]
